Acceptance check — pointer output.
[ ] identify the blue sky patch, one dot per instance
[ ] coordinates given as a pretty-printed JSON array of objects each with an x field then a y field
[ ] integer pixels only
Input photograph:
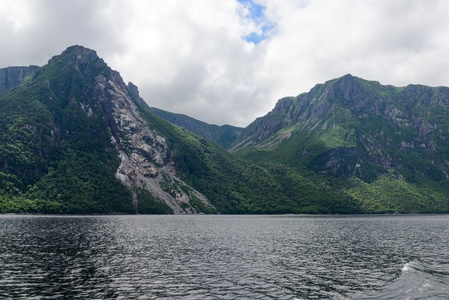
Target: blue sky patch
[{"x": 257, "y": 15}]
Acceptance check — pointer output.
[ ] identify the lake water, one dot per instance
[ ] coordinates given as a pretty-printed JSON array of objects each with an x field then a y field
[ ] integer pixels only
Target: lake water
[{"x": 224, "y": 257}]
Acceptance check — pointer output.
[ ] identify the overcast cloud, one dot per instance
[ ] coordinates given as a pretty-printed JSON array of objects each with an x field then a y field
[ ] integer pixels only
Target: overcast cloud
[{"x": 228, "y": 61}]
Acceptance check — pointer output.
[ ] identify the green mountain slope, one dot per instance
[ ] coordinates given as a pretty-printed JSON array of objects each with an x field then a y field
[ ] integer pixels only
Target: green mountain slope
[
  {"x": 74, "y": 139},
  {"x": 386, "y": 147},
  {"x": 55, "y": 156},
  {"x": 238, "y": 186}
]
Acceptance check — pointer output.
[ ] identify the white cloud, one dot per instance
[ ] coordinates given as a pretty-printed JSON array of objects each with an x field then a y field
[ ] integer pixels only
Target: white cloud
[
  {"x": 395, "y": 43},
  {"x": 191, "y": 56},
  {"x": 192, "y": 59}
]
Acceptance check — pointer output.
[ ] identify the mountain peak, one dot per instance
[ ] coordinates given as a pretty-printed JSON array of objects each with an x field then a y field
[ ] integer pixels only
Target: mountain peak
[
  {"x": 77, "y": 55},
  {"x": 134, "y": 91},
  {"x": 350, "y": 79},
  {"x": 348, "y": 76},
  {"x": 79, "y": 50}
]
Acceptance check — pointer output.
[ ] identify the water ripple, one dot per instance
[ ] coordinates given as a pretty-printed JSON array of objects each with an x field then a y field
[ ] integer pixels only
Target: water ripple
[{"x": 224, "y": 257}]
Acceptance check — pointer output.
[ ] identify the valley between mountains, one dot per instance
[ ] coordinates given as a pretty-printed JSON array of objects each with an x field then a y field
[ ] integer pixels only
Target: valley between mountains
[{"x": 74, "y": 138}]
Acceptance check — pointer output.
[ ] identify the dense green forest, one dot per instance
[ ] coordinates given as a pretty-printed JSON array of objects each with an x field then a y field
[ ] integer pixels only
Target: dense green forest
[{"x": 378, "y": 191}]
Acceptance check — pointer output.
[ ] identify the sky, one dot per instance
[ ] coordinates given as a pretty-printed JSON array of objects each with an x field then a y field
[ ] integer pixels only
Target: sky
[{"x": 229, "y": 61}]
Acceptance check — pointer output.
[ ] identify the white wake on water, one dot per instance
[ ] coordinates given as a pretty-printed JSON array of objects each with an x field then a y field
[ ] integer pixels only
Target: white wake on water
[
  {"x": 418, "y": 280},
  {"x": 406, "y": 267}
]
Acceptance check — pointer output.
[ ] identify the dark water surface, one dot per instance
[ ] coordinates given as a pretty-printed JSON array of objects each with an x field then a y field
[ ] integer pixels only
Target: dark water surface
[{"x": 224, "y": 257}]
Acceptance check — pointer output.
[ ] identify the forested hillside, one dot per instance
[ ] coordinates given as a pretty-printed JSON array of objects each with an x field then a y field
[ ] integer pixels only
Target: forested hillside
[
  {"x": 384, "y": 146},
  {"x": 75, "y": 140}
]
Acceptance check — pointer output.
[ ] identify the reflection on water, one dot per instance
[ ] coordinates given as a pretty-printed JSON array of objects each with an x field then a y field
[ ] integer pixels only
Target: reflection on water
[{"x": 224, "y": 257}]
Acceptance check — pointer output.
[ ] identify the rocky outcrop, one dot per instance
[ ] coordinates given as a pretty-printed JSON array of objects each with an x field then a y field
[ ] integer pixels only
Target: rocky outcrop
[{"x": 134, "y": 91}]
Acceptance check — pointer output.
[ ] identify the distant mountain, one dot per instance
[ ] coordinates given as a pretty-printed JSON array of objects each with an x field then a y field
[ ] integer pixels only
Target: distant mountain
[
  {"x": 387, "y": 147},
  {"x": 11, "y": 77},
  {"x": 223, "y": 135},
  {"x": 75, "y": 139}
]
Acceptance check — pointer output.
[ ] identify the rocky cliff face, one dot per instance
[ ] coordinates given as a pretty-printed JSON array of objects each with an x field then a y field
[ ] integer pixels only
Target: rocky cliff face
[
  {"x": 359, "y": 123},
  {"x": 74, "y": 108},
  {"x": 145, "y": 158},
  {"x": 11, "y": 77},
  {"x": 145, "y": 155}
]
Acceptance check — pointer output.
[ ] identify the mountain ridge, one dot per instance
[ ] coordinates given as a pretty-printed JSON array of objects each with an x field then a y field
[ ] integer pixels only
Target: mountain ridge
[
  {"x": 224, "y": 135},
  {"x": 370, "y": 136},
  {"x": 75, "y": 138}
]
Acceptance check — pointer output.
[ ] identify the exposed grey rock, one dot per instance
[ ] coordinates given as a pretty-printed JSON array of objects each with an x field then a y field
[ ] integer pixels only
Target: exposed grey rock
[{"x": 145, "y": 155}]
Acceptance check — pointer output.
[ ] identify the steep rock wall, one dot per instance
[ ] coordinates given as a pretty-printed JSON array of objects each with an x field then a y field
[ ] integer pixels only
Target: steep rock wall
[{"x": 145, "y": 155}]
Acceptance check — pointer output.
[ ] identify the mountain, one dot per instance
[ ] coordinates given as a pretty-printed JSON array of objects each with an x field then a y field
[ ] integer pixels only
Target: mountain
[
  {"x": 74, "y": 138},
  {"x": 386, "y": 147},
  {"x": 11, "y": 77},
  {"x": 224, "y": 135}
]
